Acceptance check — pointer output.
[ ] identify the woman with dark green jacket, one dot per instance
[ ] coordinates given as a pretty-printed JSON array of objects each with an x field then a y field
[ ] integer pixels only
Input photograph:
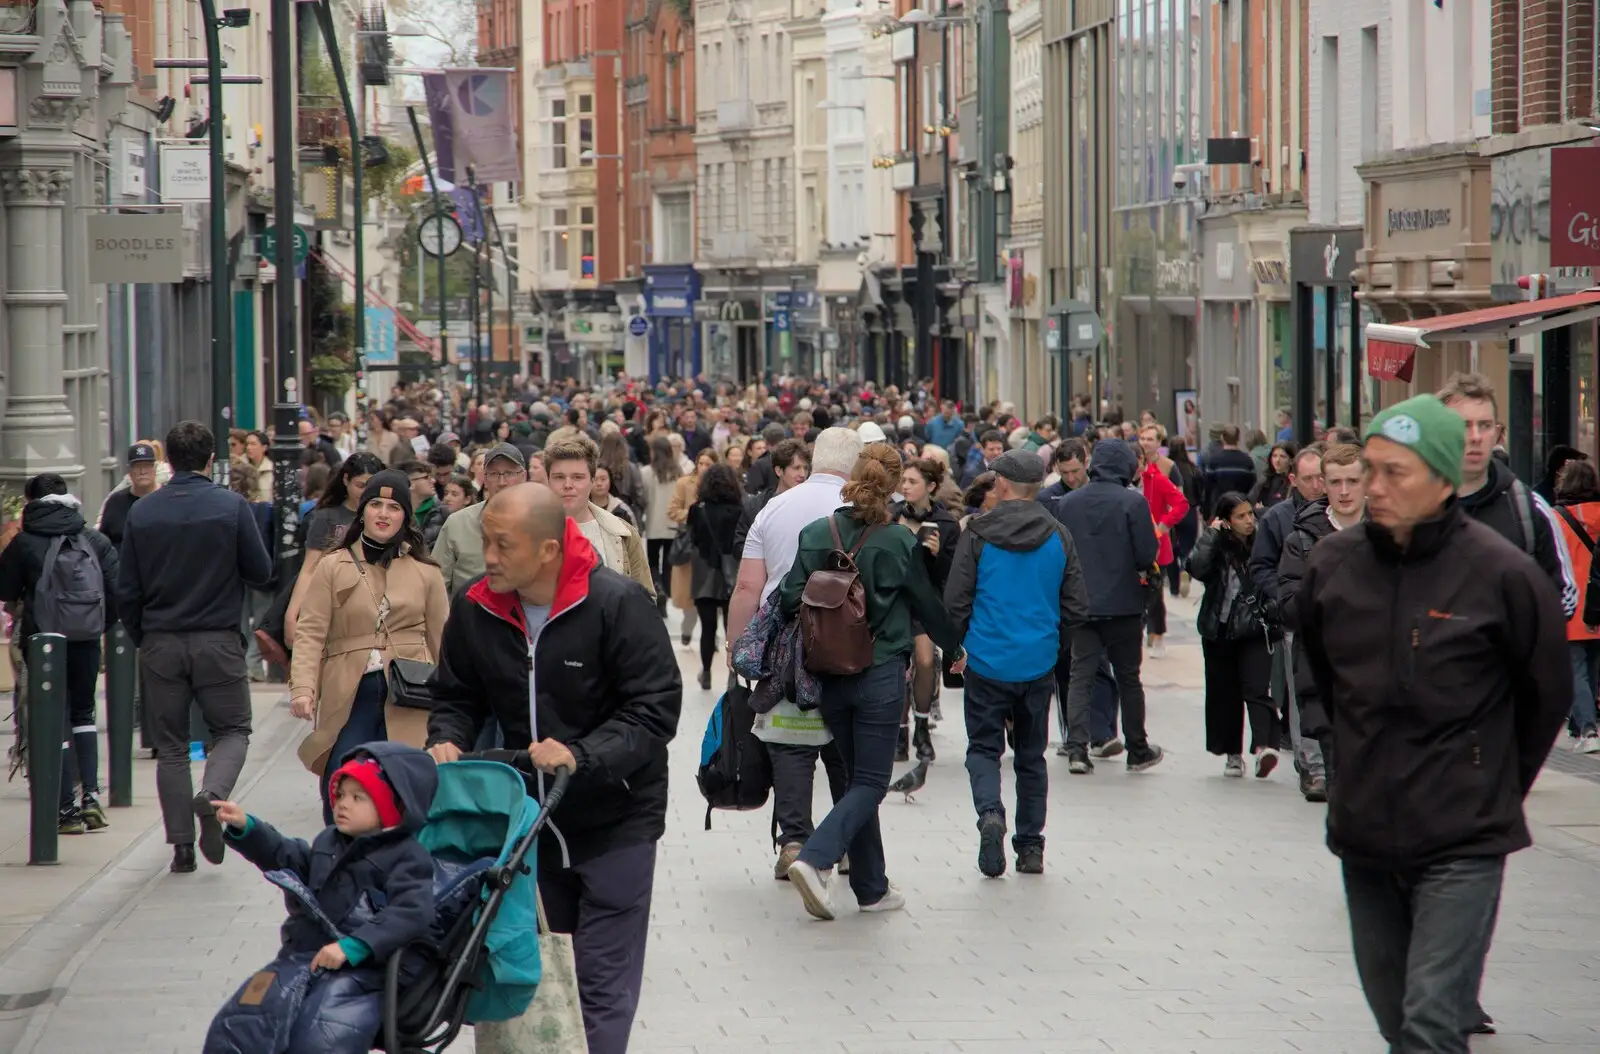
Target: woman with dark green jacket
[{"x": 863, "y": 710}]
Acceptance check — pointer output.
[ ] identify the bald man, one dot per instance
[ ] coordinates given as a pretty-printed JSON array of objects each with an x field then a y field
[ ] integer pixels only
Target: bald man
[{"x": 608, "y": 695}]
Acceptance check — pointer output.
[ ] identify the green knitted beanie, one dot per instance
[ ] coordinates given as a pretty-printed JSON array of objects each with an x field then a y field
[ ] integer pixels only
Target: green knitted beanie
[{"x": 1430, "y": 428}]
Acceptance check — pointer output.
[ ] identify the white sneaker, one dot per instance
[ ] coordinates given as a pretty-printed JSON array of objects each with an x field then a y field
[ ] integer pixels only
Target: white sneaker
[
  {"x": 894, "y": 900},
  {"x": 813, "y": 887},
  {"x": 1233, "y": 766},
  {"x": 1266, "y": 761},
  {"x": 1588, "y": 743},
  {"x": 1158, "y": 650}
]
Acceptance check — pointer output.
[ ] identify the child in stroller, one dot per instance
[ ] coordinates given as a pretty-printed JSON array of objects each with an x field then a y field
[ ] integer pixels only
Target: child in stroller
[{"x": 360, "y": 892}]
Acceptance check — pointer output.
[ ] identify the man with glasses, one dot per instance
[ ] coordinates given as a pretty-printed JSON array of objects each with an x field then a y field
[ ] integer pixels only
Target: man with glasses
[{"x": 459, "y": 550}]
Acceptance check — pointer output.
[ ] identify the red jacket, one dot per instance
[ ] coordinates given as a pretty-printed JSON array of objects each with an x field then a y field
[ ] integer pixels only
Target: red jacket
[{"x": 1167, "y": 506}]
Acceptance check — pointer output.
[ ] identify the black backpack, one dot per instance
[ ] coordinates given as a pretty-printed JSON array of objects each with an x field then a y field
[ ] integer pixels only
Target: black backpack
[
  {"x": 70, "y": 598},
  {"x": 735, "y": 772}
]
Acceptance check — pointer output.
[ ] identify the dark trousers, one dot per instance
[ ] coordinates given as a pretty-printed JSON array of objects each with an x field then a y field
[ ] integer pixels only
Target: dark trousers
[
  {"x": 656, "y": 550},
  {"x": 707, "y": 610},
  {"x": 364, "y": 723},
  {"x": 605, "y": 904},
  {"x": 863, "y": 713},
  {"x": 1420, "y": 940},
  {"x": 1102, "y": 701},
  {"x": 80, "y": 746},
  {"x": 1238, "y": 679},
  {"x": 1026, "y": 704},
  {"x": 1121, "y": 641},
  {"x": 794, "y": 773},
  {"x": 1155, "y": 609},
  {"x": 207, "y": 667}
]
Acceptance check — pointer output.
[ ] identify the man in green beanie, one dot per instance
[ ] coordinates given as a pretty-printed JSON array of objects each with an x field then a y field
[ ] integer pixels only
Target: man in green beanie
[{"x": 1439, "y": 652}]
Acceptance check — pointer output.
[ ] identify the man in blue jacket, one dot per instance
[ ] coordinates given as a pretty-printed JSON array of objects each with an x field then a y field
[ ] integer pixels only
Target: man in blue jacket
[
  {"x": 943, "y": 429},
  {"x": 1116, "y": 539},
  {"x": 1014, "y": 584}
]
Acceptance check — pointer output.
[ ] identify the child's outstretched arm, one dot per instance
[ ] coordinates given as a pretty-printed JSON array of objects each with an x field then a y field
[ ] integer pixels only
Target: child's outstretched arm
[
  {"x": 260, "y": 843},
  {"x": 409, "y": 913}
]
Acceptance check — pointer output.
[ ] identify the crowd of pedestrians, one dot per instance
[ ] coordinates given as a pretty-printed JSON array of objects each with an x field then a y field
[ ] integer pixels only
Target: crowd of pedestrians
[{"x": 528, "y": 549}]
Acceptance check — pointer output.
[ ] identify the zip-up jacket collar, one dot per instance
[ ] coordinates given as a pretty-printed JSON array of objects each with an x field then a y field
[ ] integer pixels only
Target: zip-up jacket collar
[{"x": 578, "y": 559}]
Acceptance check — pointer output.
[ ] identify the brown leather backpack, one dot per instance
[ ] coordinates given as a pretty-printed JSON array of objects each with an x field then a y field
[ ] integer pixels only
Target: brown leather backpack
[{"x": 833, "y": 612}]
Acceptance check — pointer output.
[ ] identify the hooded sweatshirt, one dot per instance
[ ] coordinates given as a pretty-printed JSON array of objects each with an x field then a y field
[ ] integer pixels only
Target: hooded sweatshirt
[
  {"x": 22, "y": 563},
  {"x": 1014, "y": 581},
  {"x": 389, "y": 870},
  {"x": 1496, "y": 506},
  {"x": 1110, "y": 525}
]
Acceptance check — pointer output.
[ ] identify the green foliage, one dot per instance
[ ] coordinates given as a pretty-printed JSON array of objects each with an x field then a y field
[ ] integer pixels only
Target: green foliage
[
  {"x": 386, "y": 182},
  {"x": 331, "y": 376}
]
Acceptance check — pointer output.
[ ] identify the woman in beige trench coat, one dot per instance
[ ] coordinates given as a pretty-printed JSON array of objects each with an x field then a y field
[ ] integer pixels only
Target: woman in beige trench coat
[{"x": 338, "y": 679}]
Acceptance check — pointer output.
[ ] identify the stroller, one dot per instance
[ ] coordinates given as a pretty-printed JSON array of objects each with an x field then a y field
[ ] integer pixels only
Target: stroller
[{"x": 479, "y": 963}]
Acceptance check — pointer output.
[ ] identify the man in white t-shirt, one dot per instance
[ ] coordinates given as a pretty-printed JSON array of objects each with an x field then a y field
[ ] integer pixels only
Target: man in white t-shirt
[
  {"x": 794, "y": 740},
  {"x": 570, "y": 464}
]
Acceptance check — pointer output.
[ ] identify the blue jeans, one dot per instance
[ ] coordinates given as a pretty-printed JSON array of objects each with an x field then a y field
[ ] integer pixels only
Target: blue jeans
[
  {"x": 1420, "y": 939},
  {"x": 364, "y": 724},
  {"x": 863, "y": 713},
  {"x": 1027, "y": 705},
  {"x": 1585, "y": 680}
]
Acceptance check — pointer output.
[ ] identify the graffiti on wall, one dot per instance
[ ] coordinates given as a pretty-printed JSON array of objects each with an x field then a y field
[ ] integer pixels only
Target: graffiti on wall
[{"x": 1519, "y": 219}]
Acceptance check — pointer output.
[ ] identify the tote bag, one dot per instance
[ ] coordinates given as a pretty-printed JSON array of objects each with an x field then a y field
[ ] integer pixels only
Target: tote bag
[{"x": 553, "y": 1022}]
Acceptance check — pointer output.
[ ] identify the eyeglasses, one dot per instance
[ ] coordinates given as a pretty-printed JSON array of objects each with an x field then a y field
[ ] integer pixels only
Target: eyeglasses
[{"x": 504, "y": 477}]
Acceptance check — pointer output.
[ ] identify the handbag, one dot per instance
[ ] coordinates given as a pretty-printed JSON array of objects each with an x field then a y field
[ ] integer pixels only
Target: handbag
[
  {"x": 407, "y": 679},
  {"x": 682, "y": 550},
  {"x": 553, "y": 1022}
]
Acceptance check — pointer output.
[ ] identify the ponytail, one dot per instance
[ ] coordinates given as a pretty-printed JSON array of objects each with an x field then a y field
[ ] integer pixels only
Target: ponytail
[{"x": 873, "y": 481}]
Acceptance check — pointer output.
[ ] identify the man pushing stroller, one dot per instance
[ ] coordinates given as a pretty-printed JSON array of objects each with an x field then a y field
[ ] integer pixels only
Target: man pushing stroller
[{"x": 356, "y": 894}]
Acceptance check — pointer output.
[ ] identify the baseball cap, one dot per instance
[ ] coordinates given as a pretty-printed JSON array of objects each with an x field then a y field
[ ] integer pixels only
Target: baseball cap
[
  {"x": 141, "y": 452},
  {"x": 449, "y": 437},
  {"x": 1019, "y": 466},
  {"x": 871, "y": 432},
  {"x": 507, "y": 451}
]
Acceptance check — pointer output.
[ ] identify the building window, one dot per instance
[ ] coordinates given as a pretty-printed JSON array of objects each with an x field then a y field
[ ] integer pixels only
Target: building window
[
  {"x": 1329, "y": 147},
  {"x": 674, "y": 224},
  {"x": 585, "y": 140},
  {"x": 902, "y": 139},
  {"x": 586, "y": 104},
  {"x": 558, "y": 240},
  {"x": 558, "y": 133},
  {"x": 1369, "y": 93}
]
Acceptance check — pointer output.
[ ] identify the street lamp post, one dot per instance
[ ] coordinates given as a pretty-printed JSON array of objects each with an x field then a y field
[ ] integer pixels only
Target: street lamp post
[
  {"x": 286, "y": 396},
  {"x": 438, "y": 210}
]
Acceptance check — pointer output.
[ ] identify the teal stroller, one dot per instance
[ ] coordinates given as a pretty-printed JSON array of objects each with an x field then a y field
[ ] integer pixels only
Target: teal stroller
[{"x": 482, "y": 964}]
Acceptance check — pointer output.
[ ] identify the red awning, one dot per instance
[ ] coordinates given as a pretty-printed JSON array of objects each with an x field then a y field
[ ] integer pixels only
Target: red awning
[{"x": 1391, "y": 349}]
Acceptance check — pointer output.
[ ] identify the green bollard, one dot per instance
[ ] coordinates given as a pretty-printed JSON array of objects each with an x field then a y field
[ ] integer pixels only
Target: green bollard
[
  {"x": 47, "y": 725},
  {"x": 122, "y": 664}
]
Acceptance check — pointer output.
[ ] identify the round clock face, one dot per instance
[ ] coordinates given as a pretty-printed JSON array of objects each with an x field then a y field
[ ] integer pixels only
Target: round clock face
[{"x": 439, "y": 235}]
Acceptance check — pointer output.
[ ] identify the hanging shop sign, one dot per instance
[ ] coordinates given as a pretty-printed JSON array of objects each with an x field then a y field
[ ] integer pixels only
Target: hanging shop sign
[{"x": 135, "y": 248}]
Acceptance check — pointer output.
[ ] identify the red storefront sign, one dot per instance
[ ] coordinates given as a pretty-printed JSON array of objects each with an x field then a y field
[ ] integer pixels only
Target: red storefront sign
[
  {"x": 1575, "y": 206},
  {"x": 1389, "y": 360}
]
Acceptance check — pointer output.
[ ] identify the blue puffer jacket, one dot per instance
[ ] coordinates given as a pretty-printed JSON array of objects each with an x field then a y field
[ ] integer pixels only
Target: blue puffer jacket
[{"x": 372, "y": 895}]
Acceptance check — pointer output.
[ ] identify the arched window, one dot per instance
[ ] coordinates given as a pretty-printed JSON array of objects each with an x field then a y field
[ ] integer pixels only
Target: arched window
[{"x": 672, "y": 75}]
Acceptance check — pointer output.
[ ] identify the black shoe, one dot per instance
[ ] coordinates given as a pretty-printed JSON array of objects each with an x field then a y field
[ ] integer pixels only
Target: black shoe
[
  {"x": 922, "y": 740},
  {"x": 992, "y": 844},
  {"x": 1313, "y": 788},
  {"x": 1483, "y": 1028},
  {"x": 205, "y": 814},
  {"x": 1078, "y": 762},
  {"x": 94, "y": 817},
  {"x": 1030, "y": 860},
  {"x": 902, "y": 745},
  {"x": 705, "y": 679},
  {"x": 70, "y": 821},
  {"x": 685, "y": 638},
  {"x": 1144, "y": 756},
  {"x": 182, "y": 859}
]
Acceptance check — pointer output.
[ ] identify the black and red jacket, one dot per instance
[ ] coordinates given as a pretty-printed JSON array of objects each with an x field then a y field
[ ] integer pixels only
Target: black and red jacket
[{"x": 607, "y": 686}]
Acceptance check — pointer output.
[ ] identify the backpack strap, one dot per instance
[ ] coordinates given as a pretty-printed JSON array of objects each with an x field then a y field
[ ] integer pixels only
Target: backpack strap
[
  {"x": 1522, "y": 500},
  {"x": 1576, "y": 525},
  {"x": 51, "y": 555},
  {"x": 838, "y": 542}
]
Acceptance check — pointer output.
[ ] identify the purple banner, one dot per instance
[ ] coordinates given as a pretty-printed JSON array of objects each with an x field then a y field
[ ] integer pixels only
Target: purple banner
[
  {"x": 441, "y": 115},
  {"x": 483, "y": 134},
  {"x": 467, "y": 214}
]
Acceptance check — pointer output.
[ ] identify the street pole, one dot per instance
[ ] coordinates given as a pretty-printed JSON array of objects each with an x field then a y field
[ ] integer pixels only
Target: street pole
[
  {"x": 286, "y": 398},
  {"x": 475, "y": 291},
  {"x": 488, "y": 254},
  {"x": 221, "y": 300},
  {"x": 438, "y": 208},
  {"x": 511, "y": 281},
  {"x": 357, "y": 162}
]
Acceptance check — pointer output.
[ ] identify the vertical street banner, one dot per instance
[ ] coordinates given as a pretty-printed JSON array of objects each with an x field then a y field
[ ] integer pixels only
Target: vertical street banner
[
  {"x": 441, "y": 115},
  {"x": 467, "y": 214},
  {"x": 382, "y": 339},
  {"x": 482, "y": 130}
]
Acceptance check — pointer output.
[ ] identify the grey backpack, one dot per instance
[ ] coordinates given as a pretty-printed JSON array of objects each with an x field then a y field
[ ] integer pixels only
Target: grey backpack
[{"x": 71, "y": 594}]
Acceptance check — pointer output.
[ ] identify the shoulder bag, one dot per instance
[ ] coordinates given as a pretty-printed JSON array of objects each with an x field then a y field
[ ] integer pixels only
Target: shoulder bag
[{"x": 407, "y": 678}]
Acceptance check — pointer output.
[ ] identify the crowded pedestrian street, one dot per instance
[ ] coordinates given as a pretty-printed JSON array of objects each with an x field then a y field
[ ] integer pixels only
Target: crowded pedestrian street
[{"x": 1179, "y": 912}]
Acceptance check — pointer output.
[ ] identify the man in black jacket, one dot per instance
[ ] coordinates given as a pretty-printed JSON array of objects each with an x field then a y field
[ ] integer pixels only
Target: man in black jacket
[
  {"x": 1116, "y": 543},
  {"x": 1229, "y": 469},
  {"x": 1438, "y": 651},
  {"x": 607, "y": 698},
  {"x": 52, "y": 515},
  {"x": 188, "y": 552},
  {"x": 141, "y": 481}
]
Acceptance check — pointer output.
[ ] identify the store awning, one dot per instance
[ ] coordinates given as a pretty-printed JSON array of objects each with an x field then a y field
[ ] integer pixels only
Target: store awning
[{"x": 1392, "y": 348}]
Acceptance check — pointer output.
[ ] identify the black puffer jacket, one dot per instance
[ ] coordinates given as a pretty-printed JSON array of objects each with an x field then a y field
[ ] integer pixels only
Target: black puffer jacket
[
  {"x": 606, "y": 685},
  {"x": 1443, "y": 668},
  {"x": 949, "y": 534},
  {"x": 43, "y": 521},
  {"x": 1215, "y": 561},
  {"x": 1113, "y": 532},
  {"x": 1311, "y": 525}
]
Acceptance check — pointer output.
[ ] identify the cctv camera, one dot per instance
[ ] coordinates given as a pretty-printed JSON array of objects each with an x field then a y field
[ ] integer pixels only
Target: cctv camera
[
  {"x": 235, "y": 17},
  {"x": 1180, "y": 180}
]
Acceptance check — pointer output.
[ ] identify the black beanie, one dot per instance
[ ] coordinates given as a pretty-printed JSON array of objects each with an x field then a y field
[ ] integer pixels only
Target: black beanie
[{"x": 396, "y": 486}]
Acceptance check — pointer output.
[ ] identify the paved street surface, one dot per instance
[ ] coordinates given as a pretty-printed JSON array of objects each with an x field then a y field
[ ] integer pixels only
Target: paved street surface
[{"x": 1179, "y": 912}]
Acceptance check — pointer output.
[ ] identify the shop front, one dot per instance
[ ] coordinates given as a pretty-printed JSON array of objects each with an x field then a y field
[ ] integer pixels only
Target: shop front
[
  {"x": 730, "y": 324},
  {"x": 1326, "y": 331},
  {"x": 794, "y": 328},
  {"x": 1153, "y": 323},
  {"x": 1428, "y": 254},
  {"x": 670, "y": 294},
  {"x": 1228, "y": 373},
  {"x": 1038, "y": 384}
]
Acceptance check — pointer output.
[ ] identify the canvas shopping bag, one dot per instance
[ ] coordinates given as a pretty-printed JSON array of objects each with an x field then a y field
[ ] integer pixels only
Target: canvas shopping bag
[{"x": 553, "y": 1023}]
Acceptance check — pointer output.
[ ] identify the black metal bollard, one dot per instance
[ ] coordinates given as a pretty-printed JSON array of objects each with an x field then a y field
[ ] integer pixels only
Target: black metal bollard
[
  {"x": 122, "y": 666},
  {"x": 47, "y": 726}
]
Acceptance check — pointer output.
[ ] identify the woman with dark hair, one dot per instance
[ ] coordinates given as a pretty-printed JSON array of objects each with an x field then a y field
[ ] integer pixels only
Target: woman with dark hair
[
  {"x": 459, "y": 493},
  {"x": 1237, "y": 626},
  {"x": 1192, "y": 484},
  {"x": 325, "y": 529},
  {"x": 627, "y": 482},
  {"x": 979, "y": 498},
  {"x": 713, "y": 528},
  {"x": 660, "y": 480},
  {"x": 937, "y": 531},
  {"x": 1556, "y": 460},
  {"x": 862, "y": 710},
  {"x": 1274, "y": 486},
  {"x": 377, "y": 596},
  {"x": 1577, "y": 493}
]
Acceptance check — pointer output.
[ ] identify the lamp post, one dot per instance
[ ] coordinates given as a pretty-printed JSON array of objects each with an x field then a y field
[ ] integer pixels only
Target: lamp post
[{"x": 286, "y": 394}]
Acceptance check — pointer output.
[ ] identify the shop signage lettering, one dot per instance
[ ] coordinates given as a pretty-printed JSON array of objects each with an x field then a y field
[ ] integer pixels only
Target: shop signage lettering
[
  {"x": 1417, "y": 219},
  {"x": 1180, "y": 275},
  {"x": 1574, "y": 207},
  {"x": 668, "y": 302},
  {"x": 136, "y": 248},
  {"x": 1270, "y": 272}
]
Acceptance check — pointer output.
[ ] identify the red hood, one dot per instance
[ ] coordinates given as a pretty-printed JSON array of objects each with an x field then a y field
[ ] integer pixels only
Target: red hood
[{"x": 578, "y": 558}]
